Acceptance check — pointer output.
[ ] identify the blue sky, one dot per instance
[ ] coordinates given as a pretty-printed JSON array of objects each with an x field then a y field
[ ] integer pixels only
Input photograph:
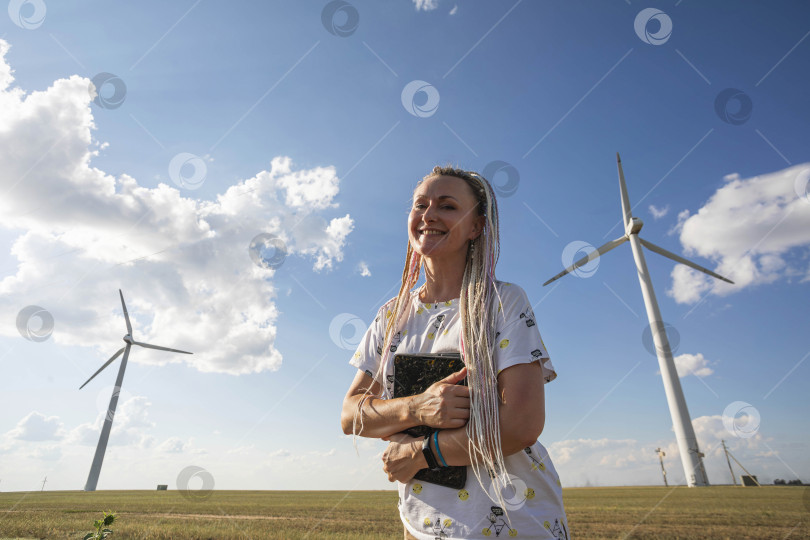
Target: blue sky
[{"x": 298, "y": 129}]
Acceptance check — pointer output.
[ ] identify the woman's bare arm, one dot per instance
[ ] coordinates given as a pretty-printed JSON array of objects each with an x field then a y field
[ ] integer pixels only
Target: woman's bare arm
[{"x": 443, "y": 405}]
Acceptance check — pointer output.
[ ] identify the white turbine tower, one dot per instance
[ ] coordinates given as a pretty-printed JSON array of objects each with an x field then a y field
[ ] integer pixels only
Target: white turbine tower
[
  {"x": 691, "y": 457},
  {"x": 95, "y": 469}
]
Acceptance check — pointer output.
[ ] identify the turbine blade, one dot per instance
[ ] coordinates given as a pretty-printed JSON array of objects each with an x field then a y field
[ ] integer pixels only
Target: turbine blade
[
  {"x": 126, "y": 315},
  {"x": 677, "y": 258},
  {"x": 148, "y": 346},
  {"x": 590, "y": 256},
  {"x": 107, "y": 363},
  {"x": 623, "y": 189}
]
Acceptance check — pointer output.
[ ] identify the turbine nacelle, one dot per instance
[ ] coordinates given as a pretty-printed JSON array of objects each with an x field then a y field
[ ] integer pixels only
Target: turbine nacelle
[
  {"x": 128, "y": 339},
  {"x": 634, "y": 226}
]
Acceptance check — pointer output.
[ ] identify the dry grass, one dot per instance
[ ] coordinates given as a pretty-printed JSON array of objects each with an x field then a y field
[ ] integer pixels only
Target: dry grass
[{"x": 626, "y": 512}]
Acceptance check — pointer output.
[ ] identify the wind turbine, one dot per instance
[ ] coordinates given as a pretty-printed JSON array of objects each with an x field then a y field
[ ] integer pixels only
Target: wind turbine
[
  {"x": 691, "y": 457},
  {"x": 95, "y": 469}
]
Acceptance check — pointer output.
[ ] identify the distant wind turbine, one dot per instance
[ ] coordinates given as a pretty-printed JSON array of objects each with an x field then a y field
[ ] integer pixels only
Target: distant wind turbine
[
  {"x": 95, "y": 469},
  {"x": 691, "y": 457}
]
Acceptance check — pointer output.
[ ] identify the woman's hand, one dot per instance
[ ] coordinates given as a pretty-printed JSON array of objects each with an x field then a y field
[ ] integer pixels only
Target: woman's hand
[
  {"x": 403, "y": 458},
  {"x": 444, "y": 404}
]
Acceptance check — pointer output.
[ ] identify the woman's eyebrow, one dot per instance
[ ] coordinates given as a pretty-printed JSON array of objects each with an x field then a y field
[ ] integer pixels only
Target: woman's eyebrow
[{"x": 439, "y": 197}]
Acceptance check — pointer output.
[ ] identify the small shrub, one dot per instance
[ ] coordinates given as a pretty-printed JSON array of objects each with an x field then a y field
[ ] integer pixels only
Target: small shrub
[{"x": 102, "y": 527}]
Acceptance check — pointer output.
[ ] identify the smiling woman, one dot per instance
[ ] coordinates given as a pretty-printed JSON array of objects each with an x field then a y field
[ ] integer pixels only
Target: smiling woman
[{"x": 490, "y": 426}]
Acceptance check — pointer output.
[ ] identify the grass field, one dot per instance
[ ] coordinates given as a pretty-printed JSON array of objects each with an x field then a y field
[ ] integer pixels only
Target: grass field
[{"x": 622, "y": 512}]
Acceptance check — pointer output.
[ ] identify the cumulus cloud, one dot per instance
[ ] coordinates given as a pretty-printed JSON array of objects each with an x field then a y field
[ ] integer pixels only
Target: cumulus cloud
[
  {"x": 426, "y": 5},
  {"x": 583, "y": 462},
  {"x": 757, "y": 230},
  {"x": 692, "y": 364},
  {"x": 80, "y": 234},
  {"x": 658, "y": 213},
  {"x": 454, "y": 10},
  {"x": 35, "y": 426},
  {"x": 363, "y": 269}
]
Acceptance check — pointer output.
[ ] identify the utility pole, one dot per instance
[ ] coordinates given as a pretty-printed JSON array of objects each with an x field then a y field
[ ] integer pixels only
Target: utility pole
[
  {"x": 661, "y": 455},
  {"x": 725, "y": 450},
  {"x": 43, "y": 484}
]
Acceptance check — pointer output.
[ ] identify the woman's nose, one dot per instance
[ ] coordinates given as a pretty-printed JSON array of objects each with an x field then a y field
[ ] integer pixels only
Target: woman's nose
[{"x": 429, "y": 214}]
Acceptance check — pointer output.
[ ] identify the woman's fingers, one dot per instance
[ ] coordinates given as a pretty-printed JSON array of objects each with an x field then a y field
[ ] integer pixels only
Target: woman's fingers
[{"x": 456, "y": 377}]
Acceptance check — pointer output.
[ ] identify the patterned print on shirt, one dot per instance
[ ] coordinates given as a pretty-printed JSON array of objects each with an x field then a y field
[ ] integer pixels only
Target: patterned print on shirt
[
  {"x": 559, "y": 531},
  {"x": 436, "y": 324},
  {"x": 536, "y": 464},
  {"x": 438, "y": 526},
  {"x": 497, "y": 523}
]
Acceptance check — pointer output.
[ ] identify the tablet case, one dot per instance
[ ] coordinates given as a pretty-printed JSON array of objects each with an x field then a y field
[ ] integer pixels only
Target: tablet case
[{"x": 413, "y": 374}]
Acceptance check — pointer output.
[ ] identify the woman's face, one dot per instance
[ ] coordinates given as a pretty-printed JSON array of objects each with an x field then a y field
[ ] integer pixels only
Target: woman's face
[{"x": 444, "y": 217}]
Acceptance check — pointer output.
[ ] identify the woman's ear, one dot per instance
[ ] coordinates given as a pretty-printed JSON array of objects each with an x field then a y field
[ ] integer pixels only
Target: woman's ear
[{"x": 478, "y": 227}]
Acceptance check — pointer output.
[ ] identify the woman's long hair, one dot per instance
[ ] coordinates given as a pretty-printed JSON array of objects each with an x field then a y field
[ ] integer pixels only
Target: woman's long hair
[{"x": 478, "y": 308}]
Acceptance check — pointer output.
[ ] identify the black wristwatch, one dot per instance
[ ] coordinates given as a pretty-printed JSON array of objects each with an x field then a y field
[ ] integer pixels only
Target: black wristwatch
[{"x": 433, "y": 465}]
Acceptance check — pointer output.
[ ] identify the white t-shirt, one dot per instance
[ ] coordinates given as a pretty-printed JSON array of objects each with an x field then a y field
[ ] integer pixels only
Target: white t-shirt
[{"x": 429, "y": 511}]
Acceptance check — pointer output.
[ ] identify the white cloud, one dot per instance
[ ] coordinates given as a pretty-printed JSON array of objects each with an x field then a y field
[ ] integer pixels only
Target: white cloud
[
  {"x": 363, "y": 268},
  {"x": 181, "y": 262},
  {"x": 756, "y": 229},
  {"x": 426, "y": 5},
  {"x": 692, "y": 364},
  {"x": 35, "y": 426},
  {"x": 658, "y": 213},
  {"x": 173, "y": 445},
  {"x": 584, "y": 462},
  {"x": 454, "y": 10}
]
